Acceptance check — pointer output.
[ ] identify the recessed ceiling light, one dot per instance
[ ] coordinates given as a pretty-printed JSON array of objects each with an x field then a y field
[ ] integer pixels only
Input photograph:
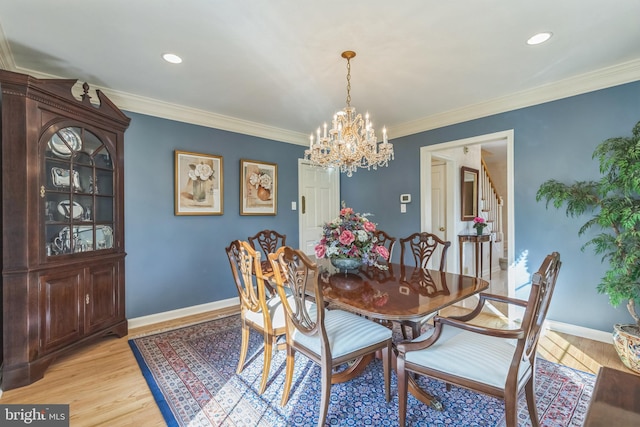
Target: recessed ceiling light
[
  {"x": 172, "y": 58},
  {"x": 539, "y": 38}
]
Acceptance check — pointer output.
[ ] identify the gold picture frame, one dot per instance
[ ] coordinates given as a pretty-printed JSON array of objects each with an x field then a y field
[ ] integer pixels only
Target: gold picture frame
[
  {"x": 199, "y": 186},
  {"x": 258, "y": 188}
]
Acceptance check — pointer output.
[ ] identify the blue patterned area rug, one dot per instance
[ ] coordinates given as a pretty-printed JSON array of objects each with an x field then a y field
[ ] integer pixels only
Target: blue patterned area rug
[{"x": 191, "y": 373}]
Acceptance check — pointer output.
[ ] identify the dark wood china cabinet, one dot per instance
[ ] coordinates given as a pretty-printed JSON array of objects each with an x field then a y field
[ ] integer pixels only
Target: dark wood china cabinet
[{"x": 62, "y": 222}]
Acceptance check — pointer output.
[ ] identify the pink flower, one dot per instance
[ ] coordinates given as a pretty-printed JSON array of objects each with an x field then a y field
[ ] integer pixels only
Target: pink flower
[
  {"x": 346, "y": 238},
  {"x": 320, "y": 250},
  {"x": 478, "y": 220},
  {"x": 346, "y": 211},
  {"x": 369, "y": 226},
  {"x": 382, "y": 251}
]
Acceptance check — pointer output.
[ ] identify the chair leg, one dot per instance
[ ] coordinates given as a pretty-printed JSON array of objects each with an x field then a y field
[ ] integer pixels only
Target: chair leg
[
  {"x": 268, "y": 350},
  {"x": 511, "y": 410},
  {"x": 325, "y": 370},
  {"x": 289, "y": 376},
  {"x": 386, "y": 363},
  {"x": 244, "y": 347},
  {"x": 529, "y": 391},
  {"x": 403, "y": 386}
]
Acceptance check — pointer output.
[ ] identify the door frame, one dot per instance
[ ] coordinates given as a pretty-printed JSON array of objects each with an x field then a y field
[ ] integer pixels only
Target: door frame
[{"x": 427, "y": 153}]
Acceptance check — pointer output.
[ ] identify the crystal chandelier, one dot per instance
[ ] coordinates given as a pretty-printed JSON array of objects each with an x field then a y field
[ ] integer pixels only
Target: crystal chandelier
[{"x": 351, "y": 142}]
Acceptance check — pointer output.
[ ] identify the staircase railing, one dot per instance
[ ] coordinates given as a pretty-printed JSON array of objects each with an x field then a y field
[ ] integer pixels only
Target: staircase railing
[{"x": 491, "y": 203}]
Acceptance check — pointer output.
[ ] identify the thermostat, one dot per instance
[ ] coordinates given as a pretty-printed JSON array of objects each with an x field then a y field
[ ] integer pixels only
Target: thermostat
[{"x": 405, "y": 198}]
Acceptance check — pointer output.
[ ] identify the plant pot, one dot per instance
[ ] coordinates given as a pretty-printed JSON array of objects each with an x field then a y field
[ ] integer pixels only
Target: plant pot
[{"x": 626, "y": 340}]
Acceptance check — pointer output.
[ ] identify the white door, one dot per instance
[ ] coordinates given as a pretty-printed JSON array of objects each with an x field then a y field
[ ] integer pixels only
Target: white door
[
  {"x": 318, "y": 202},
  {"x": 438, "y": 206}
]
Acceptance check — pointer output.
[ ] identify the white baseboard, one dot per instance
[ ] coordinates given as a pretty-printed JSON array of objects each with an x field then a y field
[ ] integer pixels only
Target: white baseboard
[
  {"x": 579, "y": 331},
  {"x": 136, "y": 322},
  {"x": 567, "y": 328}
]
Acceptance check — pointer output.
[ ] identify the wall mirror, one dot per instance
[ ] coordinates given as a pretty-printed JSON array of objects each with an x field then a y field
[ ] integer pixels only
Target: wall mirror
[{"x": 469, "y": 193}]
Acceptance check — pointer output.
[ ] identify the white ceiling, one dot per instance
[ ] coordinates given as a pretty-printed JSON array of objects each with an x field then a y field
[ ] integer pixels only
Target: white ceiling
[{"x": 273, "y": 68}]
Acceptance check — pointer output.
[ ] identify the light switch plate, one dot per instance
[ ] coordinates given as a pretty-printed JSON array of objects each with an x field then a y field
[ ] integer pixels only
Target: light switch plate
[
  {"x": 293, "y": 206},
  {"x": 403, "y": 208}
]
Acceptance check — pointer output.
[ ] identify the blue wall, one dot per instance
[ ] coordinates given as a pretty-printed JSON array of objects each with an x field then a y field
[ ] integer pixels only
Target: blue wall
[
  {"x": 551, "y": 140},
  {"x": 178, "y": 261}
]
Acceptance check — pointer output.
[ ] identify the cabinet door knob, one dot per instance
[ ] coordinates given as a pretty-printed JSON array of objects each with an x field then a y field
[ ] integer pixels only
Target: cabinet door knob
[
  {"x": 42, "y": 191},
  {"x": 86, "y": 299}
]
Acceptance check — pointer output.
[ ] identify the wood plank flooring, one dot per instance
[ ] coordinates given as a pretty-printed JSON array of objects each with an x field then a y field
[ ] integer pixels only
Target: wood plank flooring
[{"x": 104, "y": 386}]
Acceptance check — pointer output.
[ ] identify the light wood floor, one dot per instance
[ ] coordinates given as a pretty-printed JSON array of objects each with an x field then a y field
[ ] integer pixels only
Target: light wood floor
[{"x": 104, "y": 386}]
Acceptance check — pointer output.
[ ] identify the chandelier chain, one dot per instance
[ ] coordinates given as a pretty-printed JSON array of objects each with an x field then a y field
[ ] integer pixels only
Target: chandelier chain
[{"x": 348, "y": 82}]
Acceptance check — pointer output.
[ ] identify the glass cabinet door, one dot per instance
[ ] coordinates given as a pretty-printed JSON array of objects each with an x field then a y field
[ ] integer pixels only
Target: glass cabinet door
[{"x": 77, "y": 191}]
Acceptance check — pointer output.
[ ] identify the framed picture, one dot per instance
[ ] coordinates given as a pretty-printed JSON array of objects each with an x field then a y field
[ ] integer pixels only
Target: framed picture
[
  {"x": 258, "y": 188},
  {"x": 198, "y": 184}
]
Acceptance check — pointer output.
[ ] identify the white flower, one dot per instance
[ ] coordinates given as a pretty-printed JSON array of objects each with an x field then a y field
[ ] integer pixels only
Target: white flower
[
  {"x": 265, "y": 181},
  {"x": 362, "y": 235},
  {"x": 200, "y": 171},
  {"x": 254, "y": 179}
]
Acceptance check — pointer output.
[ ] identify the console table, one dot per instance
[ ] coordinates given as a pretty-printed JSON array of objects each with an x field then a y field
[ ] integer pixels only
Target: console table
[
  {"x": 615, "y": 400},
  {"x": 477, "y": 241}
]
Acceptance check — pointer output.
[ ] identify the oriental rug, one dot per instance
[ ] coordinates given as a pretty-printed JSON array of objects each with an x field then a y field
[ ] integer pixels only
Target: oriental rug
[{"x": 191, "y": 373}]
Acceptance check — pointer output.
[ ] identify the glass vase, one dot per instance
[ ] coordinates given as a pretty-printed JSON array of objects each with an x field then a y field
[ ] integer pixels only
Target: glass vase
[{"x": 199, "y": 190}]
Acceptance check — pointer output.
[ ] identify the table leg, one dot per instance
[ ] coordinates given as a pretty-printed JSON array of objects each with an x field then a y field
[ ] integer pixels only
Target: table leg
[
  {"x": 428, "y": 399},
  {"x": 478, "y": 274},
  {"x": 481, "y": 259},
  {"x": 490, "y": 256},
  {"x": 355, "y": 368}
]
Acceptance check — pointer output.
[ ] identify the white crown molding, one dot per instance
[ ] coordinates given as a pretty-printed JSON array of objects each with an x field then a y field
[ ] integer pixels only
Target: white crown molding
[
  {"x": 6, "y": 56},
  {"x": 601, "y": 79},
  {"x": 153, "y": 107}
]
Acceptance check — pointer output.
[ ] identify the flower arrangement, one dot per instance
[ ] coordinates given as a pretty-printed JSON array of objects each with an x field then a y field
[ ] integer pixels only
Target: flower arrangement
[
  {"x": 351, "y": 235},
  {"x": 262, "y": 181},
  {"x": 199, "y": 173},
  {"x": 479, "y": 224}
]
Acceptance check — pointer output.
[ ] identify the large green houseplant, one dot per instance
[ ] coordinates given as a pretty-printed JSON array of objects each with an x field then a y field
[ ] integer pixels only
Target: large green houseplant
[{"x": 614, "y": 202}]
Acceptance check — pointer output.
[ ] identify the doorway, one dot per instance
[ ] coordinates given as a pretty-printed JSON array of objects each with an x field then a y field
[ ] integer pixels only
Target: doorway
[{"x": 452, "y": 153}]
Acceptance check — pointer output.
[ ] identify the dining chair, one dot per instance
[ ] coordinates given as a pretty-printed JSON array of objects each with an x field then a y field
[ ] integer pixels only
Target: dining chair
[
  {"x": 498, "y": 362},
  {"x": 258, "y": 310},
  {"x": 385, "y": 240},
  {"x": 267, "y": 241},
  {"x": 330, "y": 338},
  {"x": 421, "y": 249}
]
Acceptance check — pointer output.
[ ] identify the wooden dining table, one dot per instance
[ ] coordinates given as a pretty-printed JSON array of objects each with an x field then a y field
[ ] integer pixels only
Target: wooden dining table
[{"x": 395, "y": 294}]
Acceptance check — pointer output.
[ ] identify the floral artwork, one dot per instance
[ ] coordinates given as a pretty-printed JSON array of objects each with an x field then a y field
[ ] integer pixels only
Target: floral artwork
[
  {"x": 351, "y": 235},
  {"x": 258, "y": 188},
  {"x": 198, "y": 184}
]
